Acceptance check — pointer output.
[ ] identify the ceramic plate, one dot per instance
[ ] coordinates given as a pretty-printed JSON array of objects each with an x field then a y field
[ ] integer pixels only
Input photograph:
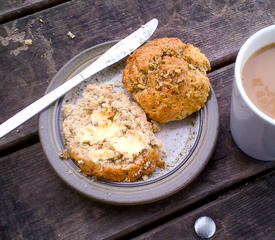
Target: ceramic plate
[{"x": 188, "y": 143}]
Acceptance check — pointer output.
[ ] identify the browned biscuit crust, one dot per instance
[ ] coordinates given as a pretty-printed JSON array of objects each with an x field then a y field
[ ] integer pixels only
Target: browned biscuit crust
[
  {"x": 118, "y": 173},
  {"x": 167, "y": 78}
]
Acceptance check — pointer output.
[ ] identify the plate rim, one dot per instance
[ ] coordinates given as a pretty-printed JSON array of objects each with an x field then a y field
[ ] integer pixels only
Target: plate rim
[{"x": 163, "y": 188}]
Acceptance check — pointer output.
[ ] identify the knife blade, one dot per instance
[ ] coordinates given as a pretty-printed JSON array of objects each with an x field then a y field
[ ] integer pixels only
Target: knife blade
[{"x": 111, "y": 56}]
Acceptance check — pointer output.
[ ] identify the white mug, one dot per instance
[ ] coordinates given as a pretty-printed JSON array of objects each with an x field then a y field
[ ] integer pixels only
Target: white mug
[{"x": 252, "y": 130}]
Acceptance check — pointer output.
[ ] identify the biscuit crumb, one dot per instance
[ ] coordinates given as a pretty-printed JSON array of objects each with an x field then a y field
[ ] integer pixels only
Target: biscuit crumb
[
  {"x": 162, "y": 154},
  {"x": 116, "y": 84},
  {"x": 126, "y": 179},
  {"x": 41, "y": 20},
  {"x": 17, "y": 130},
  {"x": 28, "y": 42},
  {"x": 147, "y": 165},
  {"x": 145, "y": 177},
  {"x": 155, "y": 126},
  {"x": 71, "y": 35},
  {"x": 64, "y": 155}
]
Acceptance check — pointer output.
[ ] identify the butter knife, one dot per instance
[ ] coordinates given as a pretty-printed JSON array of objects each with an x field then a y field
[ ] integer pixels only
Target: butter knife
[{"x": 111, "y": 56}]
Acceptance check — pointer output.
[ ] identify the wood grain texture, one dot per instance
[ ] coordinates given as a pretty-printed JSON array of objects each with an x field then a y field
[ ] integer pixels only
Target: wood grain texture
[
  {"x": 12, "y": 9},
  {"x": 35, "y": 203},
  {"x": 11, "y": 5},
  {"x": 245, "y": 213},
  {"x": 217, "y": 27}
]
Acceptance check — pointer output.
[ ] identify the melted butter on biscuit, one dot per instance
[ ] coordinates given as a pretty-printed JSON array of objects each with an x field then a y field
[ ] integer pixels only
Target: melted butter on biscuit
[
  {"x": 104, "y": 129},
  {"x": 130, "y": 143},
  {"x": 102, "y": 154},
  {"x": 92, "y": 134},
  {"x": 102, "y": 117},
  {"x": 98, "y": 116}
]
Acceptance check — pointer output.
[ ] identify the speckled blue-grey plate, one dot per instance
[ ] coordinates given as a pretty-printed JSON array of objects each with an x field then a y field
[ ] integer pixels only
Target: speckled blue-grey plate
[{"x": 188, "y": 143}]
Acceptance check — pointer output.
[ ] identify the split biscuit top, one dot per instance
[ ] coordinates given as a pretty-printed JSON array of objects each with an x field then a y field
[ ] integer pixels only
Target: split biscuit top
[
  {"x": 108, "y": 135},
  {"x": 167, "y": 78}
]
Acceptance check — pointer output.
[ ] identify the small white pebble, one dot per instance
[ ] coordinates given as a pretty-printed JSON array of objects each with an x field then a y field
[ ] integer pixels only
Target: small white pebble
[
  {"x": 69, "y": 171},
  {"x": 80, "y": 162},
  {"x": 28, "y": 42},
  {"x": 71, "y": 35}
]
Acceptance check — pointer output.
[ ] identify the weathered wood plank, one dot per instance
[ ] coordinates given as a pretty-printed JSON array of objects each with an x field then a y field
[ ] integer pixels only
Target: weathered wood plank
[
  {"x": 217, "y": 27},
  {"x": 12, "y": 9},
  {"x": 245, "y": 213},
  {"x": 35, "y": 202},
  {"x": 13, "y": 5}
]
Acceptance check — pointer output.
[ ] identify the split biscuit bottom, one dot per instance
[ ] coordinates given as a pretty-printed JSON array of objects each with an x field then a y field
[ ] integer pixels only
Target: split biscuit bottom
[{"x": 109, "y": 137}]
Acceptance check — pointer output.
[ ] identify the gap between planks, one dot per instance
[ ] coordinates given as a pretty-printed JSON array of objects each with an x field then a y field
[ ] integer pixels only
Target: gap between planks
[
  {"x": 33, "y": 138},
  {"x": 196, "y": 205},
  {"x": 19, "y": 144},
  {"x": 28, "y": 10}
]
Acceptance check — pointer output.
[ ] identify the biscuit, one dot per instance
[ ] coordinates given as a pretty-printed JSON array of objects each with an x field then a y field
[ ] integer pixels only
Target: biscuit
[
  {"x": 167, "y": 78},
  {"x": 108, "y": 135}
]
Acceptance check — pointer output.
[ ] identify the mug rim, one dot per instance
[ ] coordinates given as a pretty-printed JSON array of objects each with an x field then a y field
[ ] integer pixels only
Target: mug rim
[{"x": 238, "y": 72}]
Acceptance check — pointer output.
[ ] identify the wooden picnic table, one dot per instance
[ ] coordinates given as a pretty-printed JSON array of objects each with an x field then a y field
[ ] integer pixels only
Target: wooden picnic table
[{"x": 234, "y": 189}]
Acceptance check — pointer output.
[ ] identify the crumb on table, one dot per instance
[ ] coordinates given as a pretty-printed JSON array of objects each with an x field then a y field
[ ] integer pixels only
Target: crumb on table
[
  {"x": 71, "y": 35},
  {"x": 28, "y": 42}
]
